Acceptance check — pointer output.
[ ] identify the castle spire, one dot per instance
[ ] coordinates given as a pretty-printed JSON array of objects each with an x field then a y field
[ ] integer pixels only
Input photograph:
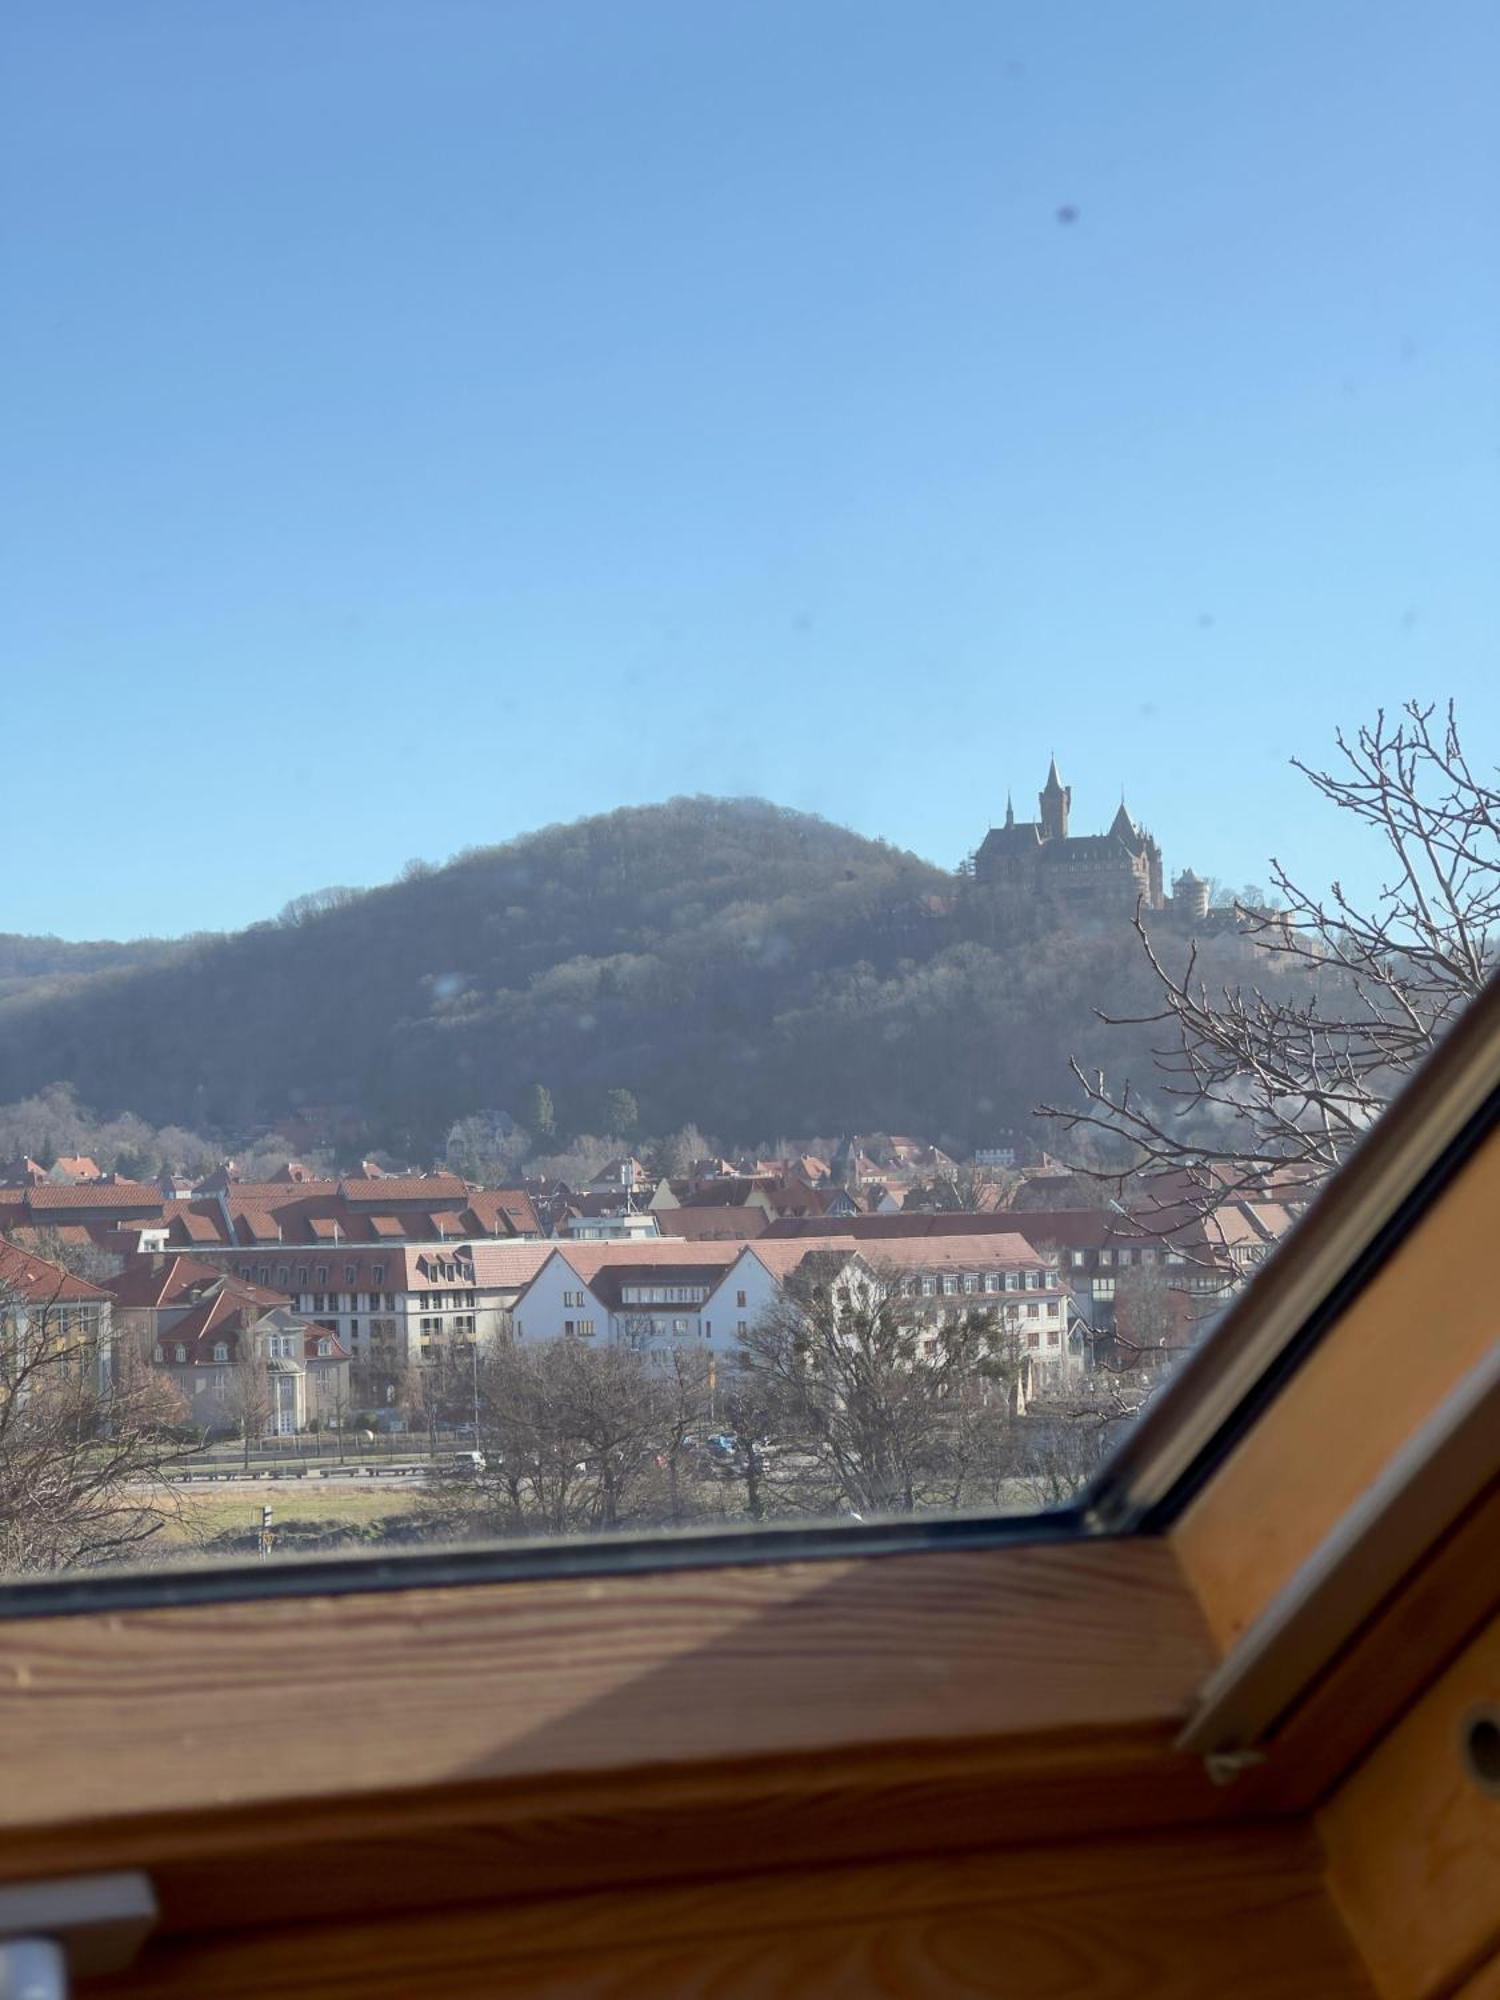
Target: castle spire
[
  {"x": 1054, "y": 799},
  {"x": 1010, "y": 811},
  {"x": 1124, "y": 827}
]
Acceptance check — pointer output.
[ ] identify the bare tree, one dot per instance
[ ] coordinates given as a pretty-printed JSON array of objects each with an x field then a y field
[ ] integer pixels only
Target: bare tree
[
  {"x": 246, "y": 1398},
  {"x": 86, "y": 1437},
  {"x": 1154, "y": 1318},
  {"x": 684, "y": 1390},
  {"x": 1271, "y": 1085},
  {"x": 747, "y": 1402},
  {"x": 570, "y": 1434},
  {"x": 872, "y": 1389}
]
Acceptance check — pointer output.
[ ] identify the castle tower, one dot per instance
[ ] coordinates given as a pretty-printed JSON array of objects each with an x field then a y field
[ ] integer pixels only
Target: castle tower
[
  {"x": 1055, "y": 798},
  {"x": 1190, "y": 895}
]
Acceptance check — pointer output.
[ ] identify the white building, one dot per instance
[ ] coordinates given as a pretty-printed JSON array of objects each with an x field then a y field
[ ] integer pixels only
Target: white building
[{"x": 705, "y": 1297}]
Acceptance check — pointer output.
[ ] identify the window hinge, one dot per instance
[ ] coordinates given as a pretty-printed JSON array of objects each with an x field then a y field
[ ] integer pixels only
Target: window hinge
[
  {"x": 1224, "y": 1766},
  {"x": 73, "y": 1925}
]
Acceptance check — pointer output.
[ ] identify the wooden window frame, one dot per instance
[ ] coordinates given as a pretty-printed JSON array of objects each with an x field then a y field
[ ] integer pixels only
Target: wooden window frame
[{"x": 527, "y": 1721}]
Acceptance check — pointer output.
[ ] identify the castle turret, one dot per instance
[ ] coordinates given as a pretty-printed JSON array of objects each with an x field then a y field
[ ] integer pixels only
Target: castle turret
[
  {"x": 1055, "y": 798},
  {"x": 1190, "y": 895}
]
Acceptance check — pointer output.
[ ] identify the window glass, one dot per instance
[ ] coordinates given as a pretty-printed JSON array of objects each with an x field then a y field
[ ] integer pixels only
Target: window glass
[{"x": 906, "y": 601}]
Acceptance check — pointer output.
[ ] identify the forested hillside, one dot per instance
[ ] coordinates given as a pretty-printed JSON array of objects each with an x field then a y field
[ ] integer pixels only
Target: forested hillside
[
  {"x": 751, "y": 969},
  {"x": 54, "y": 964}
]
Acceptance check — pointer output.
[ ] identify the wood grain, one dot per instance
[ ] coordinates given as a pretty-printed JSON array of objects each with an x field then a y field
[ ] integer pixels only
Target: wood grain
[
  {"x": 1403, "y": 1650},
  {"x": 1398, "y": 1350},
  {"x": 338, "y": 1698},
  {"x": 1242, "y": 1913},
  {"x": 1414, "y": 1845},
  {"x": 457, "y": 1845}
]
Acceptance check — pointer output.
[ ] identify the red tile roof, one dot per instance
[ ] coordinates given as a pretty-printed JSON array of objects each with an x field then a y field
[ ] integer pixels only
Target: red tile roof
[
  {"x": 42, "y": 1282},
  {"x": 394, "y": 1188},
  {"x": 101, "y": 1196},
  {"x": 704, "y": 1225},
  {"x": 154, "y": 1281}
]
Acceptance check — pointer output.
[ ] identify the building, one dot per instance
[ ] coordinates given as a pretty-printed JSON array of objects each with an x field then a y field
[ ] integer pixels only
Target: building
[
  {"x": 1094, "y": 875},
  {"x": 201, "y": 1326},
  {"x": 47, "y": 1316},
  {"x": 1178, "y": 1267},
  {"x": 705, "y": 1297},
  {"x": 240, "y": 1362}
]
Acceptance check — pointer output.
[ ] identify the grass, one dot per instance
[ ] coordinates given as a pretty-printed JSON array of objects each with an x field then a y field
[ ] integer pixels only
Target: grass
[{"x": 335, "y": 1505}]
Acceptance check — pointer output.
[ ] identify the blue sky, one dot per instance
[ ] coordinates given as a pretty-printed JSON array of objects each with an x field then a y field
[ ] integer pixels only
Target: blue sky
[{"x": 426, "y": 421}]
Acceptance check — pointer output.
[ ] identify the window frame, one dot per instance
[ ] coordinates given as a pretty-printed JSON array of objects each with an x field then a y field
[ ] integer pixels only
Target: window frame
[{"x": 857, "y": 1691}]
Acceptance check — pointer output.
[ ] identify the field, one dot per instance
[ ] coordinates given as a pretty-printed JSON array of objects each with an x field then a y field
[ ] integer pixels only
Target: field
[{"x": 336, "y": 1504}]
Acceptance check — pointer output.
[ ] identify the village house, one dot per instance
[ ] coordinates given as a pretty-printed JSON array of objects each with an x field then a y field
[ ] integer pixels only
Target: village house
[
  {"x": 299, "y": 1372},
  {"x": 197, "y": 1323},
  {"x": 45, "y": 1308}
]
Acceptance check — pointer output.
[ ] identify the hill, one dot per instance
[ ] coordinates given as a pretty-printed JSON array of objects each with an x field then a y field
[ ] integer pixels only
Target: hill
[
  {"x": 729, "y": 962},
  {"x": 54, "y": 963}
]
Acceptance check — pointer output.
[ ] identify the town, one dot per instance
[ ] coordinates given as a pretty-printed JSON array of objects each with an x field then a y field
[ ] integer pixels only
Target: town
[
  {"x": 619, "y": 1334},
  {"x": 379, "y": 1302}
]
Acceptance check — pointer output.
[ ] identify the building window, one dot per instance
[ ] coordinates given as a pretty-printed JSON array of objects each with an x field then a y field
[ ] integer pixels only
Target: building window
[
  {"x": 741, "y": 1300},
  {"x": 377, "y": 1275},
  {"x": 325, "y": 1347},
  {"x": 283, "y": 1276},
  {"x": 181, "y": 1353},
  {"x": 322, "y": 1274},
  {"x": 586, "y": 1328},
  {"x": 221, "y": 1351},
  {"x": 301, "y": 1276},
  {"x": 1033, "y": 1312}
]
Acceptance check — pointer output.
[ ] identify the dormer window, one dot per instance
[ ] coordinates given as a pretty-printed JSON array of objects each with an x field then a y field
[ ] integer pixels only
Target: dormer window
[
  {"x": 181, "y": 1352},
  {"x": 221, "y": 1351}
]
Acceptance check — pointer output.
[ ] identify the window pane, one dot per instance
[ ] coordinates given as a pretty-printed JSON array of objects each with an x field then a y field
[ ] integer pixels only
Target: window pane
[{"x": 879, "y": 557}]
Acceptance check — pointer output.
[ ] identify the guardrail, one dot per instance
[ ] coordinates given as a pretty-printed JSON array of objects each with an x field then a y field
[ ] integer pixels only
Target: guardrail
[{"x": 211, "y": 1474}]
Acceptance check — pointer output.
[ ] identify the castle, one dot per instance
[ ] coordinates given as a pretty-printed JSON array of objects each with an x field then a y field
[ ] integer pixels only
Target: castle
[{"x": 1109, "y": 874}]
